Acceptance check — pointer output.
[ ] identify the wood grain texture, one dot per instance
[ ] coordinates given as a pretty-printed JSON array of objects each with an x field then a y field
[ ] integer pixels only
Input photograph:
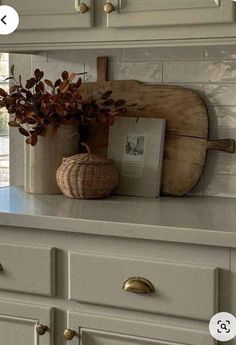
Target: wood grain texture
[{"x": 186, "y": 141}]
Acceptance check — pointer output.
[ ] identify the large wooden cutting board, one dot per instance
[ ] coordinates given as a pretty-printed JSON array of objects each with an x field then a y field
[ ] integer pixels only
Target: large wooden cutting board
[{"x": 186, "y": 141}]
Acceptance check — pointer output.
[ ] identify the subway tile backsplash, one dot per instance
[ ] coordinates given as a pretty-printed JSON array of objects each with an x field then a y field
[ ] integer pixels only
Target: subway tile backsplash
[{"x": 209, "y": 71}]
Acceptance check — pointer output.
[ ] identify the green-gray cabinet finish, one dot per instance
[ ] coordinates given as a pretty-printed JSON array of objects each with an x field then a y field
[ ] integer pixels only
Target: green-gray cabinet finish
[
  {"x": 42, "y": 15},
  {"x": 90, "y": 337},
  {"x": 28, "y": 269},
  {"x": 55, "y": 24},
  {"x": 92, "y": 247},
  {"x": 180, "y": 290},
  {"x": 18, "y": 324},
  {"x": 136, "y": 13}
]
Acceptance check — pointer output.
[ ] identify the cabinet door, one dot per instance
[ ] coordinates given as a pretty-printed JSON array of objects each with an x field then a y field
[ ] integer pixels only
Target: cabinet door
[
  {"x": 18, "y": 324},
  {"x": 51, "y": 14},
  {"x": 101, "y": 329},
  {"x": 137, "y": 13},
  {"x": 233, "y": 283},
  {"x": 90, "y": 337}
]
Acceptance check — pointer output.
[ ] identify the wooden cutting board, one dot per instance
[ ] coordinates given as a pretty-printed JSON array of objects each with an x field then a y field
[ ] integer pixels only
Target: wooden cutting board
[{"x": 186, "y": 141}]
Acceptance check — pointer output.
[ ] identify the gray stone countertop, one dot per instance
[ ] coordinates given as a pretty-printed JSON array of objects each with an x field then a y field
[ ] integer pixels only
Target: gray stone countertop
[{"x": 189, "y": 219}]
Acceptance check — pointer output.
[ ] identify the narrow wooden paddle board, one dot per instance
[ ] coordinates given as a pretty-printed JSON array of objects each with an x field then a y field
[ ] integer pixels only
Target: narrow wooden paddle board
[{"x": 186, "y": 141}]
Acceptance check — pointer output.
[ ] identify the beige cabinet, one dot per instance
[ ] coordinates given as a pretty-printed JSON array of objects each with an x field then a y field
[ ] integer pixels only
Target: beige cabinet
[
  {"x": 102, "y": 329},
  {"x": 27, "y": 269},
  {"x": 77, "y": 24},
  {"x": 180, "y": 290},
  {"x": 25, "y": 324},
  {"x": 42, "y": 15},
  {"x": 117, "y": 282},
  {"x": 90, "y": 337},
  {"x": 233, "y": 281},
  {"x": 141, "y": 13},
  {"x": 100, "y": 281}
]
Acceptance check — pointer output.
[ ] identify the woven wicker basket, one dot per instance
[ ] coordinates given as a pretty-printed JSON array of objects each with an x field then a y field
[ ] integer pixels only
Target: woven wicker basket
[{"x": 87, "y": 176}]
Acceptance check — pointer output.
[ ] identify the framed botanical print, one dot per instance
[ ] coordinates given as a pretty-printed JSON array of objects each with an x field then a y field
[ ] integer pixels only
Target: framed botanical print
[{"x": 136, "y": 147}]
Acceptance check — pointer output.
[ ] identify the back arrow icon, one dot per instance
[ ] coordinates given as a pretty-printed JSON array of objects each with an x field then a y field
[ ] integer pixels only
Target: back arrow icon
[{"x": 2, "y": 20}]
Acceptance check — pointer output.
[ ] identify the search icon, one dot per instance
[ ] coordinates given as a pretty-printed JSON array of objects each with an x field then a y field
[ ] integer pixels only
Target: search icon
[{"x": 223, "y": 326}]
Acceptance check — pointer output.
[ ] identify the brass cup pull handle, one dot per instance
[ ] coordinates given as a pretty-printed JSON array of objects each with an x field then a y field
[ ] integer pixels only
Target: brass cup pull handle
[
  {"x": 69, "y": 334},
  {"x": 41, "y": 329},
  {"x": 82, "y": 8},
  {"x": 138, "y": 285},
  {"x": 109, "y": 7}
]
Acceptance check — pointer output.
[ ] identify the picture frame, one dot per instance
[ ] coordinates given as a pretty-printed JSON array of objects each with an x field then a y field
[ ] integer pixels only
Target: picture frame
[{"x": 136, "y": 147}]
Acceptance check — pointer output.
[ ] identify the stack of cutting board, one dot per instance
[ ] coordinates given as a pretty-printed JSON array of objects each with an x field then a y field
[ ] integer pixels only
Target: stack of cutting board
[{"x": 186, "y": 141}]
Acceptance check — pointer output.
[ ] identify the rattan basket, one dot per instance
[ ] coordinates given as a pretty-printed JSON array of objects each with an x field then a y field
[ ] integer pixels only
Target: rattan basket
[{"x": 87, "y": 176}]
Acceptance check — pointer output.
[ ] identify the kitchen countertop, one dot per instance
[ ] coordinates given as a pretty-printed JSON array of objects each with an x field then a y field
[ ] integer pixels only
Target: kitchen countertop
[{"x": 189, "y": 219}]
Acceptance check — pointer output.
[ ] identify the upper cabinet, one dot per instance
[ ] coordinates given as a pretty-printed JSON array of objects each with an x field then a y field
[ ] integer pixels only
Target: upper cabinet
[
  {"x": 51, "y": 14},
  {"x": 143, "y": 13},
  {"x": 71, "y": 24}
]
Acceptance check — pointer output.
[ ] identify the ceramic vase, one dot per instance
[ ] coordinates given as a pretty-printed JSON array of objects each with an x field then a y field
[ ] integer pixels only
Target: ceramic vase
[{"x": 42, "y": 160}]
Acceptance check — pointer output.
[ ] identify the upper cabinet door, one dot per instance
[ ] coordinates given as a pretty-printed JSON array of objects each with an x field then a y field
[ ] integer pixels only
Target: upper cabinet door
[
  {"x": 53, "y": 14},
  {"x": 139, "y": 13}
]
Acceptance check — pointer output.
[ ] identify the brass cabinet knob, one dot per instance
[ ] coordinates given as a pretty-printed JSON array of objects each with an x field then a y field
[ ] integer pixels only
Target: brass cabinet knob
[
  {"x": 41, "y": 329},
  {"x": 69, "y": 334},
  {"x": 81, "y": 8},
  {"x": 138, "y": 285},
  {"x": 108, "y": 7}
]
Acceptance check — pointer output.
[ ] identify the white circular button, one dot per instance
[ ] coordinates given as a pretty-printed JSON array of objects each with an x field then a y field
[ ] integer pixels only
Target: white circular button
[
  {"x": 222, "y": 326},
  {"x": 9, "y": 20}
]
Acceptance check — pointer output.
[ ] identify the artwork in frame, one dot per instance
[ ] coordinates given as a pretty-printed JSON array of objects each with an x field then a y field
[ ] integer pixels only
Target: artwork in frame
[{"x": 136, "y": 147}]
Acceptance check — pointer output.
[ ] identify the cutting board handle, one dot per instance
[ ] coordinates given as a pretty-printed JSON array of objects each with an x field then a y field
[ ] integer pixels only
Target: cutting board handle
[
  {"x": 227, "y": 145},
  {"x": 102, "y": 69}
]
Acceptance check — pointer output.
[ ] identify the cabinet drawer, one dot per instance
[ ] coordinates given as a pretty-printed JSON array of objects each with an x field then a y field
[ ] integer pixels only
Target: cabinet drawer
[
  {"x": 180, "y": 290},
  {"x": 27, "y": 269}
]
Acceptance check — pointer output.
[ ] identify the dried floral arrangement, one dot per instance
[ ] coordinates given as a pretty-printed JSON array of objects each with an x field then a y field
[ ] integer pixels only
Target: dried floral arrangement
[{"x": 43, "y": 103}]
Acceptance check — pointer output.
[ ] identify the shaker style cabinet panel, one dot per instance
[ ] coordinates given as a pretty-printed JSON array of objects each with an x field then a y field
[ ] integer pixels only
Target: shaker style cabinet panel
[
  {"x": 140, "y": 13},
  {"x": 78, "y": 24},
  {"x": 22, "y": 324},
  {"x": 52, "y": 14},
  {"x": 27, "y": 269},
  {"x": 233, "y": 282},
  {"x": 100, "y": 329},
  {"x": 178, "y": 290},
  {"x": 90, "y": 337}
]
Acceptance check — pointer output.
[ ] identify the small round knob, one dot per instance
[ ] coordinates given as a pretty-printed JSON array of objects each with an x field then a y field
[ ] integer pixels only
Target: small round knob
[
  {"x": 82, "y": 8},
  {"x": 41, "y": 329},
  {"x": 69, "y": 334},
  {"x": 108, "y": 7}
]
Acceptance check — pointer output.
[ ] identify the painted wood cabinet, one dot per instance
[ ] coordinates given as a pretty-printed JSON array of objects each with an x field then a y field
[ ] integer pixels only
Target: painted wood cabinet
[
  {"x": 21, "y": 265},
  {"x": 233, "y": 280},
  {"x": 190, "y": 283},
  {"x": 92, "y": 337},
  {"x": 77, "y": 24},
  {"x": 20, "y": 324},
  {"x": 141, "y": 13},
  {"x": 117, "y": 280},
  {"x": 42, "y": 15}
]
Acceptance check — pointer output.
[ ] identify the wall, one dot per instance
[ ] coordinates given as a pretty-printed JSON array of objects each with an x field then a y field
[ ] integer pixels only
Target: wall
[{"x": 210, "y": 71}]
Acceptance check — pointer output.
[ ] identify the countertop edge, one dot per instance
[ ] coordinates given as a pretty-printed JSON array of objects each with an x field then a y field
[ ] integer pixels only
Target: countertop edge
[{"x": 204, "y": 237}]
